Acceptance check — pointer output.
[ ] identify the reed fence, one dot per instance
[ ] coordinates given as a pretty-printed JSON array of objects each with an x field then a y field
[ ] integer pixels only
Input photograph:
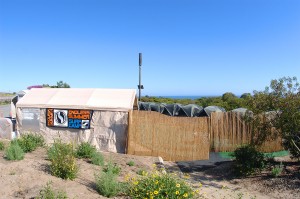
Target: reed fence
[
  {"x": 228, "y": 131},
  {"x": 182, "y": 138},
  {"x": 172, "y": 138}
]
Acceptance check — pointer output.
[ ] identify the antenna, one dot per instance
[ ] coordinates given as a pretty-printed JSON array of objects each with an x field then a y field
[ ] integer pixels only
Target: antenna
[{"x": 140, "y": 86}]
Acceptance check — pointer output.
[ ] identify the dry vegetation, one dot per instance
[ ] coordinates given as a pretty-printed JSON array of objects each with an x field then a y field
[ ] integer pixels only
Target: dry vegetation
[{"x": 25, "y": 178}]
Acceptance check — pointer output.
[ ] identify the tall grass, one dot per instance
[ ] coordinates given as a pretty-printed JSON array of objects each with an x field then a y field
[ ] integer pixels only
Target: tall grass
[
  {"x": 2, "y": 146},
  {"x": 29, "y": 142},
  {"x": 106, "y": 181},
  {"x": 63, "y": 161},
  {"x": 47, "y": 192},
  {"x": 97, "y": 159},
  {"x": 85, "y": 150},
  {"x": 14, "y": 151}
]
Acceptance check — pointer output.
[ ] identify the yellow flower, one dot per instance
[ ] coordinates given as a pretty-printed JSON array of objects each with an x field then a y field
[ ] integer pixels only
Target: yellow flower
[
  {"x": 186, "y": 175},
  {"x": 135, "y": 182},
  {"x": 155, "y": 192},
  {"x": 200, "y": 184},
  {"x": 127, "y": 177},
  {"x": 156, "y": 182},
  {"x": 185, "y": 195},
  {"x": 177, "y": 192},
  {"x": 178, "y": 185},
  {"x": 144, "y": 173},
  {"x": 197, "y": 191}
]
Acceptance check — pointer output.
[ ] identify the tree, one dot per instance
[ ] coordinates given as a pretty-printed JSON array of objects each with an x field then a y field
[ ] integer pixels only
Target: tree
[
  {"x": 59, "y": 84},
  {"x": 231, "y": 101},
  {"x": 245, "y": 95},
  {"x": 62, "y": 84},
  {"x": 228, "y": 96},
  {"x": 46, "y": 86},
  {"x": 276, "y": 112}
]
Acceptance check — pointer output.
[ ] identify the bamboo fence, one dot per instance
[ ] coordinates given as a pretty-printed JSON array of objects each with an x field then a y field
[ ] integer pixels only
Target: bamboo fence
[
  {"x": 172, "y": 138},
  {"x": 228, "y": 131},
  {"x": 183, "y": 138}
]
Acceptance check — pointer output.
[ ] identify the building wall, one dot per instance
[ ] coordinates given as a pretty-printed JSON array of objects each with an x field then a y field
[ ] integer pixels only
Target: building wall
[{"x": 108, "y": 129}]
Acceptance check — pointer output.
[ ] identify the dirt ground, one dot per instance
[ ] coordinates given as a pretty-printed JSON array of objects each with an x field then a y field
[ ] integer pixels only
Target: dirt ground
[
  {"x": 25, "y": 178},
  {"x": 220, "y": 181}
]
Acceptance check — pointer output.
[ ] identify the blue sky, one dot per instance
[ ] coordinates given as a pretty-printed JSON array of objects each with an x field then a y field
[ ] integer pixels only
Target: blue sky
[{"x": 190, "y": 47}]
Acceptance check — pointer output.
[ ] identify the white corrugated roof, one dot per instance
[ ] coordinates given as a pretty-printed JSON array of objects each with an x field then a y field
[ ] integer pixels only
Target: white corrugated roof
[{"x": 79, "y": 98}]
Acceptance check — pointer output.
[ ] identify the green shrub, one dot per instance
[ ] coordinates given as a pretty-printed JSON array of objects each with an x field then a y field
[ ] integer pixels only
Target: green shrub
[
  {"x": 107, "y": 185},
  {"x": 159, "y": 186},
  {"x": 48, "y": 193},
  {"x": 142, "y": 172},
  {"x": 277, "y": 170},
  {"x": 2, "y": 146},
  {"x": 248, "y": 160},
  {"x": 292, "y": 143},
  {"x": 130, "y": 163},
  {"x": 97, "y": 159},
  {"x": 29, "y": 142},
  {"x": 63, "y": 161},
  {"x": 113, "y": 168},
  {"x": 85, "y": 150},
  {"x": 14, "y": 151}
]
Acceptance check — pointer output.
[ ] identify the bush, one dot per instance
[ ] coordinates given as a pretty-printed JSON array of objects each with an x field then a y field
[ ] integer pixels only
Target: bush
[
  {"x": 14, "y": 151},
  {"x": 97, "y": 159},
  {"x": 48, "y": 193},
  {"x": 130, "y": 163},
  {"x": 282, "y": 100},
  {"x": 63, "y": 161},
  {"x": 106, "y": 184},
  {"x": 159, "y": 186},
  {"x": 29, "y": 142},
  {"x": 2, "y": 146},
  {"x": 113, "y": 168},
  {"x": 292, "y": 143},
  {"x": 277, "y": 170},
  {"x": 248, "y": 160},
  {"x": 142, "y": 172},
  {"x": 85, "y": 150}
]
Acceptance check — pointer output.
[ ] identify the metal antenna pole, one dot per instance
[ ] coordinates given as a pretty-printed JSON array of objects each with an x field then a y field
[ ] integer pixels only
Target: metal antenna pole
[{"x": 140, "y": 86}]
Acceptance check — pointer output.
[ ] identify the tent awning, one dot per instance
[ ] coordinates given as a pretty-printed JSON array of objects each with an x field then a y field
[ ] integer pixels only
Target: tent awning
[{"x": 79, "y": 98}]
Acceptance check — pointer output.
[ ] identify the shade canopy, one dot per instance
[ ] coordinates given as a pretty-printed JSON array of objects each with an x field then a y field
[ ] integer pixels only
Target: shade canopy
[
  {"x": 79, "y": 98},
  {"x": 191, "y": 110}
]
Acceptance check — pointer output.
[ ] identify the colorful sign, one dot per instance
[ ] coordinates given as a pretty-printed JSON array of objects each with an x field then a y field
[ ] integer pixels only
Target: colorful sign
[{"x": 72, "y": 118}]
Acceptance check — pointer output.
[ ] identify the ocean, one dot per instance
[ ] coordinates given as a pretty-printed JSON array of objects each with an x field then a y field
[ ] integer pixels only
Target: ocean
[{"x": 184, "y": 97}]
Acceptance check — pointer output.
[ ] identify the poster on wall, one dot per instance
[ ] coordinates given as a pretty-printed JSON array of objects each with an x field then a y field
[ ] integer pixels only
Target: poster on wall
[{"x": 68, "y": 118}]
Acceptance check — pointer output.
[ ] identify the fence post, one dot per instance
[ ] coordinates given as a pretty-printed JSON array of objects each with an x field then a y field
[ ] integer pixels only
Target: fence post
[{"x": 129, "y": 136}]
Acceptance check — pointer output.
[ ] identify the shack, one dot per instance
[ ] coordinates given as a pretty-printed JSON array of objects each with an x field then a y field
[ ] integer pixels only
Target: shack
[{"x": 96, "y": 116}]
